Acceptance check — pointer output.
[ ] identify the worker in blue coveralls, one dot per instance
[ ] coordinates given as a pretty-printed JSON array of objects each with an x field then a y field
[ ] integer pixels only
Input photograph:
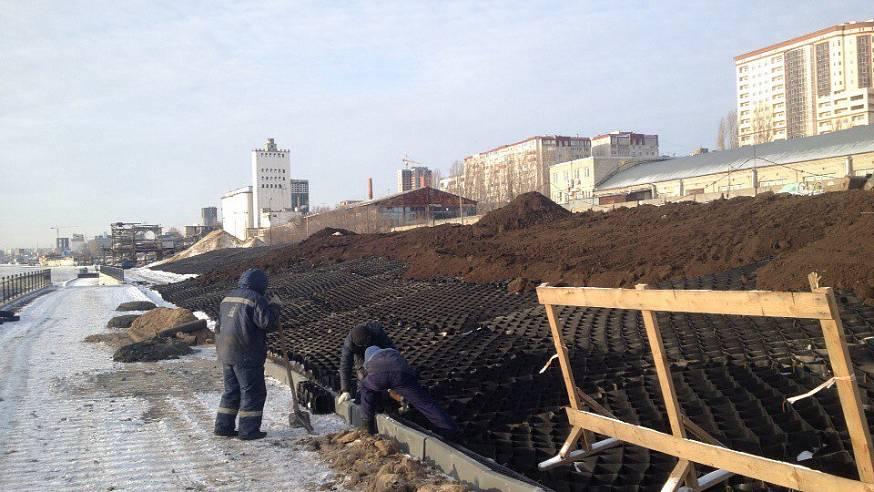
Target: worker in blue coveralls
[
  {"x": 387, "y": 369},
  {"x": 245, "y": 318},
  {"x": 352, "y": 356}
]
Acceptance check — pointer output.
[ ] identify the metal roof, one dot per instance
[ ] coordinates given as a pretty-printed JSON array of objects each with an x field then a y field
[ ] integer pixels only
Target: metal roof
[{"x": 856, "y": 140}]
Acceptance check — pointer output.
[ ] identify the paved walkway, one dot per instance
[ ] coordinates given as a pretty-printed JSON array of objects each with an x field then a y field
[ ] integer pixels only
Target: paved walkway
[{"x": 71, "y": 419}]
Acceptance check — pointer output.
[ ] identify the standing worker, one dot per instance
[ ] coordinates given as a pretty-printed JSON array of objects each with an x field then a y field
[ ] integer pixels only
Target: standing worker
[
  {"x": 245, "y": 318},
  {"x": 388, "y": 370},
  {"x": 357, "y": 341}
]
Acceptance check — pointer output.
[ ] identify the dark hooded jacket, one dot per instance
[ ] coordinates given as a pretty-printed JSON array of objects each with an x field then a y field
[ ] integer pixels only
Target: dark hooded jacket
[
  {"x": 354, "y": 354},
  {"x": 245, "y": 318}
]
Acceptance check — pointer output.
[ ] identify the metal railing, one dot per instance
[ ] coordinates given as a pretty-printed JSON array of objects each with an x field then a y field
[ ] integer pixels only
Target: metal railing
[
  {"x": 14, "y": 286},
  {"x": 114, "y": 272}
]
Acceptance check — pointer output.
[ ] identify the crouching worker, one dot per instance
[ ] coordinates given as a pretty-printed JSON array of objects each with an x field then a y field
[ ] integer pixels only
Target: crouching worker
[
  {"x": 245, "y": 318},
  {"x": 387, "y": 369},
  {"x": 357, "y": 340}
]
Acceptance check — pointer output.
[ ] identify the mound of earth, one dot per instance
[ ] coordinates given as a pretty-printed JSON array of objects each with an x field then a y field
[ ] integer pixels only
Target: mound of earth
[
  {"x": 152, "y": 350},
  {"x": 155, "y": 321},
  {"x": 844, "y": 258},
  {"x": 136, "y": 306},
  {"x": 114, "y": 340},
  {"x": 620, "y": 248},
  {"x": 215, "y": 240},
  {"x": 123, "y": 321},
  {"x": 525, "y": 210},
  {"x": 375, "y": 464},
  {"x": 252, "y": 242}
]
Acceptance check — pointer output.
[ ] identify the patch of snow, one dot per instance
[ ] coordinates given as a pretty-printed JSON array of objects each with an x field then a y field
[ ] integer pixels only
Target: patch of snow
[{"x": 54, "y": 435}]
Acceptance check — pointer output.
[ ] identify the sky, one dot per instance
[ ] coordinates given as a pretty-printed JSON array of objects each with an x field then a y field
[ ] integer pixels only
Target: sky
[{"x": 148, "y": 111}]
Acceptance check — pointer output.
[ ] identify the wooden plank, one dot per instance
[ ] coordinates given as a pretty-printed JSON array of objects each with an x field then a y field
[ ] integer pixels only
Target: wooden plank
[
  {"x": 666, "y": 383},
  {"x": 563, "y": 359},
  {"x": 678, "y": 476},
  {"x": 809, "y": 305},
  {"x": 757, "y": 467},
  {"x": 848, "y": 390},
  {"x": 697, "y": 431},
  {"x": 571, "y": 441}
]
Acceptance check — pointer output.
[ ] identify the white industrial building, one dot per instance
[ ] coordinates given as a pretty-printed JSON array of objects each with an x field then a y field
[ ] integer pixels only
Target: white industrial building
[
  {"x": 267, "y": 202},
  {"x": 237, "y": 216},
  {"x": 271, "y": 173}
]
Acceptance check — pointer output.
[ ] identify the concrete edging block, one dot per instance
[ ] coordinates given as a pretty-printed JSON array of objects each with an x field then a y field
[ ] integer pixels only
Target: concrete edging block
[
  {"x": 422, "y": 446},
  {"x": 470, "y": 471},
  {"x": 410, "y": 441}
]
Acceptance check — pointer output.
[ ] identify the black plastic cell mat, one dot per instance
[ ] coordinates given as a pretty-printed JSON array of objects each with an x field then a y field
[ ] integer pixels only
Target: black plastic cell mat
[{"x": 479, "y": 351}]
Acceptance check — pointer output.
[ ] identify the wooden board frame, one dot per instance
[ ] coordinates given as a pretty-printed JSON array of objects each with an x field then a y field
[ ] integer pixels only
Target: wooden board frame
[{"x": 818, "y": 304}]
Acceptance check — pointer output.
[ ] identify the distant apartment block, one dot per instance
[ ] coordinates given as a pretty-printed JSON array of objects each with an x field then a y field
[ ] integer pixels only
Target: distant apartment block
[
  {"x": 626, "y": 144},
  {"x": 413, "y": 178},
  {"x": 816, "y": 83},
  {"x": 300, "y": 195},
  {"x": 498, "y": 175},
  {"x": 452, "y": 184}
]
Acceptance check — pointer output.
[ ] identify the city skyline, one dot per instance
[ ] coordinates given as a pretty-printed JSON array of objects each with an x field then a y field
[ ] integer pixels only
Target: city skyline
[{"x": 147, "y": 112}]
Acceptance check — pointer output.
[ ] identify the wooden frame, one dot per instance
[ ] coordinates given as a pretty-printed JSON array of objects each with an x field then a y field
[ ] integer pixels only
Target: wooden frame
[{"x": 818, "y": 304}]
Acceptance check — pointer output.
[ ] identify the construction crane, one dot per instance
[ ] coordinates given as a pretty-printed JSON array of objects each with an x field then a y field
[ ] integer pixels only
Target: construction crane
[
  {"x": 407, "y": 161},
  {"x": 58, "y": 233}
]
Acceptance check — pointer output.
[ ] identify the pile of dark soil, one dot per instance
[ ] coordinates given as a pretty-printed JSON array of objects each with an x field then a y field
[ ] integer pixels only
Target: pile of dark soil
[
  {"x": 844, "y": 256},
  {"x": 524, "y": 211},
  {"x": 375, "y": 464},
  {"x": 152, "y": 350},
  {"x": 136, "y": 306},
  {"x": 123, "y": 321},
  {"x": 618, "y": 248}
]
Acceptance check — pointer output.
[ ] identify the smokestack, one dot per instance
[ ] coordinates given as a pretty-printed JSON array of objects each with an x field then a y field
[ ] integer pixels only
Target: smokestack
[{"x": 370, "y": 188}]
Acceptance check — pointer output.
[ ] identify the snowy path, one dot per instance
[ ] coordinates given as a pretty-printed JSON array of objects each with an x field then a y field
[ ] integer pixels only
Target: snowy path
[{"x": 72, "y": 419}]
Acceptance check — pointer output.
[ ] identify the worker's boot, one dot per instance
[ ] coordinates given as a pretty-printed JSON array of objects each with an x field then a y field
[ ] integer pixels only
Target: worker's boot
[{"x": 252, "y": 437}]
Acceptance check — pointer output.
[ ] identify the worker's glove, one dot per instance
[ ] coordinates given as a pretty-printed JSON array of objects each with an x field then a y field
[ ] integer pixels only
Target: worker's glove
[
  {"x": 344, "y": 397},
  {"x": 275, "y": 300}
]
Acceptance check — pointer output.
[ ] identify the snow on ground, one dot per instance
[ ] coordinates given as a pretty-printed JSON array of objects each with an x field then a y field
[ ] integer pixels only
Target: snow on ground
[
  {"x": 158, "y": 277},
  {"x": 72, "y": 419}
]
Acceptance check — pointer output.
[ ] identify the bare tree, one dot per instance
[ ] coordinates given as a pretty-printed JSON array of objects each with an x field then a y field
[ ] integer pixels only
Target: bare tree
[
  {"x": 726, "y": 135},
  {"x": 762, "y": 124}
]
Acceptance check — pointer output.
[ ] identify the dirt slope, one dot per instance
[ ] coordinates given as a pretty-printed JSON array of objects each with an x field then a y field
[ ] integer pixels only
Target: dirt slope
[{"x": 622, "y": 247}]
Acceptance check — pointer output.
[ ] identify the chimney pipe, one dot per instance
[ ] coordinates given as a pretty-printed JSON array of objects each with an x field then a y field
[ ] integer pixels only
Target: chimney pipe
[{"x": 370, "y": 188}]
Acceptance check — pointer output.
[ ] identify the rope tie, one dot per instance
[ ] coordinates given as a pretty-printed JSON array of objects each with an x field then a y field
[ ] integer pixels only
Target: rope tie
[
  {"x": 548, "y": 363},
  {"x": 825, "y": 385}
]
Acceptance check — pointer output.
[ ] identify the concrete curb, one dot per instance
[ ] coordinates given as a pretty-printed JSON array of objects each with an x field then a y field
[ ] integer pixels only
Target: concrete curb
[{"x": 423, "y": 446}]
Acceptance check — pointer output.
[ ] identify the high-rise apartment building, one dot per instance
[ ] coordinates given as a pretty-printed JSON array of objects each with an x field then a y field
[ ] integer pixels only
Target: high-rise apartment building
[
  {"x": 271, "y": 173},
  {"x": 300, "y": 195},
  {"x": 498, "y": 175},
  {"x": 413, "y": 178},
  {"x": 816, "y": 83},
  {"x": 626, "y": 144}
]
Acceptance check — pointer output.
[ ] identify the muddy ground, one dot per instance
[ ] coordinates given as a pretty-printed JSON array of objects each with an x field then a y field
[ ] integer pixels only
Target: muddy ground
[{"x": 532, "y": 239}]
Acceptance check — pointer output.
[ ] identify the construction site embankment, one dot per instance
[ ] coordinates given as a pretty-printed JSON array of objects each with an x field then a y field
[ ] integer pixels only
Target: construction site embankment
[{"x": 458, "y": 302}]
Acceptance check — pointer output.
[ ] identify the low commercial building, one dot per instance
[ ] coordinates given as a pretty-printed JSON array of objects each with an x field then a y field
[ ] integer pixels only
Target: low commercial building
[
  {"x": 807, "y": 164},
  {"x": 237, "y": 212},
  {"x": 421, "y": 206},
  {"x": 577, "y": 179}
]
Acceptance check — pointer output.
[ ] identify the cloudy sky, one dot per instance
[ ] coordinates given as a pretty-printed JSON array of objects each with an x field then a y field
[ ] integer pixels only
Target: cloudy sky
[{"x": 147, "y": 111}]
